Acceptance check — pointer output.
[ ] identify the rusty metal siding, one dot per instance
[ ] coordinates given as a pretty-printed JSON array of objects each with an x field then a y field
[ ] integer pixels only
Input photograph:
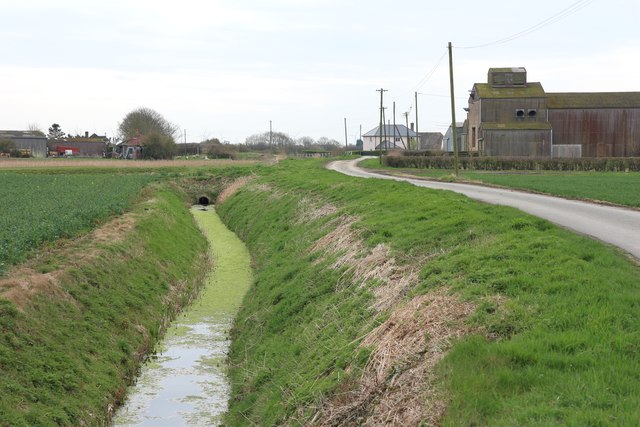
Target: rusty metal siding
[
  {"x": 605, "y": 132},
  {"x": 517, "y": 143}
]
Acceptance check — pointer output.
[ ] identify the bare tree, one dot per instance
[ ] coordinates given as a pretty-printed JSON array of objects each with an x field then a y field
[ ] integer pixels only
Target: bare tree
[
  {"x": 144, "y": 121},
  {"x": 34, "y": 127}
]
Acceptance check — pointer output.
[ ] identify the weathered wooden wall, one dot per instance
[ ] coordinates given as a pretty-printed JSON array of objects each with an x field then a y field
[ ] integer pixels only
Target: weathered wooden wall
[
  {"x": 517, "y": 143},
  {"x": 605, "y": 132},
  {"x": 504, "y": 110}
]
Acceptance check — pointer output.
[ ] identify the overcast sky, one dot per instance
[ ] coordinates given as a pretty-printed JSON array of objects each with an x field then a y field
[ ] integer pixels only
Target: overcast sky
[{"x": 225, "y": 68}]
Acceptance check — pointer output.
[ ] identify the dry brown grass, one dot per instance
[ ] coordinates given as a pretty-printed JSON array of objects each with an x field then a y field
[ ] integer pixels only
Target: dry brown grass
[
  {"x": 397, "y": 385},
  {"x": 232, "y": 188},
  {"x": 116, "y": 163},
  {"x": 311, "y": 211},
  {"x": 22, "y": 282},
  {"x": 364, "y": 266}
]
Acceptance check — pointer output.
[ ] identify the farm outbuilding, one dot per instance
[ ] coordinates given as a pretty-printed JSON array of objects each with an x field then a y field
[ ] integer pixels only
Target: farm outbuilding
[
  {"x": 447, "y": 139},
  {"x": 84, "y": 146},
  {"x": 510, "y": 116},
  {"x": 601, "y": 124},
  {"x": 430, "y": 141},
  {"x": 32, "y": 142}
]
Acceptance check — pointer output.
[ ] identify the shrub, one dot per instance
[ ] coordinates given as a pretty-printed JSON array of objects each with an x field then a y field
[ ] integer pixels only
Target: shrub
[
  {"x": 158, "y": 147},
  {"x": 7, "y": 146},
  {"x": 604, "y": 164}
]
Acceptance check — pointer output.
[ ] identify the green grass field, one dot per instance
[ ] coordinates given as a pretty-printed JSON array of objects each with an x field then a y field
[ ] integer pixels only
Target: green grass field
[
  {"x": 554, "y": 338},
  {"x": 618, "y": 188},
  {"x": 557, "y": 326}
]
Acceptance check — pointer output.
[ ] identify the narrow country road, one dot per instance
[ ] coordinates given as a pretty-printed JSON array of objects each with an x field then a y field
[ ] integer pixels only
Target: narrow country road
[{"x": 617, "y": 226}]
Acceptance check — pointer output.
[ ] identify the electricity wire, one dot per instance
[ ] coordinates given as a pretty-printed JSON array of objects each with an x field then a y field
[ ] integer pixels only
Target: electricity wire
[{"x": 568, "y": 11}]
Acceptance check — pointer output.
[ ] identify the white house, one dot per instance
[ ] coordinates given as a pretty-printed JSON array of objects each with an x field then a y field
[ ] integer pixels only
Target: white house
[{"x": 388, "y": 137}]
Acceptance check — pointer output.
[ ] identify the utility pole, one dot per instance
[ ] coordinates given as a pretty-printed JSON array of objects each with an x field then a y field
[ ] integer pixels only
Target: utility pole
[
  {"x": 395, "y": 128},
  {"x": 270, "y": 135},
  {"x": 346, "y": 142},
  {"x": 406, "y": 117},
  {"x": 382, "y": 91},
  {"x": 454, "y": 129},
  {"x": 185, "y": 143},
  {"x": 418, "y": 139}
]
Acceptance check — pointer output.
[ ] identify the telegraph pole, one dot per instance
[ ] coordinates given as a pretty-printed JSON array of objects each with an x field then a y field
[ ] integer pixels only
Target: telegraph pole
[
  {"x": 406, "y": 117},
  {"x": 395, "y": 128},
  {"x": 454, "y": 129},
  {"x": 270, "y": 135},
  {"x": 346, "y": 143},
  {"x": 417, "y": 120},
  {"x": 382, "y": 91}
]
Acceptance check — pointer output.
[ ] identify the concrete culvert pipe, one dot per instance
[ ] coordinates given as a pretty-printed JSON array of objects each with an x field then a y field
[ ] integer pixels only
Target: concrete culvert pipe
[{"x": 203, "y": 200}]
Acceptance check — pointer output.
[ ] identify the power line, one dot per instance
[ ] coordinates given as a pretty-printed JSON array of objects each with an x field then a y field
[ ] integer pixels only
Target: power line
[
  {"x": 440, "y": 96},
  {"x": 569, "y": 10},
  {"x": 430, "y": 74}
]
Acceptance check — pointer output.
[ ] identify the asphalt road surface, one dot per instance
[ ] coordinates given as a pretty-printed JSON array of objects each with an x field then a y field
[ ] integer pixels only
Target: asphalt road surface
[{"x": 617, "y": 226}]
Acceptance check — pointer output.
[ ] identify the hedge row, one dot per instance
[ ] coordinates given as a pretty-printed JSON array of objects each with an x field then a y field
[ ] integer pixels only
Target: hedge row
[{"x": 611, "y": 164}]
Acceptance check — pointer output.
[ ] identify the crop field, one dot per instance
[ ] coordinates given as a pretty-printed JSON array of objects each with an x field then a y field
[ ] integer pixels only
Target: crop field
[{"x": 39, "y": 208}]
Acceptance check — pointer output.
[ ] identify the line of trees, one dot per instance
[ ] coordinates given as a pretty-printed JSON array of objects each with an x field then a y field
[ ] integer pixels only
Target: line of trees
[{"x": 281, "y": 141}]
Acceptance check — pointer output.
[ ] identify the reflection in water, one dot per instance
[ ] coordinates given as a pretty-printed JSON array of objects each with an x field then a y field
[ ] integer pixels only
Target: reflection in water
[{"x": 185, "y": 384}]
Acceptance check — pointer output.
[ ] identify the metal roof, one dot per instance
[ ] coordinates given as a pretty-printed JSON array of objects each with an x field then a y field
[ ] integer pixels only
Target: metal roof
[
  {"x": 389, "y": 132},
  {"x": 508, "y": 70},
  {"x": 569, "y": 100},
  {"x": 21, "y": 134},
  {"x": 531, "y": 90}
]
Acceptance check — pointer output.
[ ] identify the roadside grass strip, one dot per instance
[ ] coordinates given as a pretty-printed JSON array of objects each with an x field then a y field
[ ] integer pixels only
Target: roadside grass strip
[{"x": 551, "y": 337}]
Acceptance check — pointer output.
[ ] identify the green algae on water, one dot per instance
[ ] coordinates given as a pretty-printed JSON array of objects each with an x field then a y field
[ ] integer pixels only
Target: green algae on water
[{"x": 186, "y": 383}]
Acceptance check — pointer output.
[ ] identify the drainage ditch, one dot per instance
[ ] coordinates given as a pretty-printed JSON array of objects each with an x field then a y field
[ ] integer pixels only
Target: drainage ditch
[{"x": 185, "y": 383}]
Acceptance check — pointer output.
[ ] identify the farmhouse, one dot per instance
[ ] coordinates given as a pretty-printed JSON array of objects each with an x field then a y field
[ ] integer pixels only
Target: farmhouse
[
  {"x": 509, "y": 116},
  {"x": 388, "y": 137},
  {"x": 33, "y": 143}
]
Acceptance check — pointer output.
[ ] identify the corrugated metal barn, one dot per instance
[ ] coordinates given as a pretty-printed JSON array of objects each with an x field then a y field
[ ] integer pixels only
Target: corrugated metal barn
[
  {"x": 604, "y": 124},
  {"x": 34, "y": 141},
  {"x": 509, "y": 116}
]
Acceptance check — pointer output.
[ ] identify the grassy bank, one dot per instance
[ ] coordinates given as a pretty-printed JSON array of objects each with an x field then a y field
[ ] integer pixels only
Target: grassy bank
[
  {"x": 619, "y": 188},
  {"x": 511, "y": 320},
  {"x": 76, "y": 319}
]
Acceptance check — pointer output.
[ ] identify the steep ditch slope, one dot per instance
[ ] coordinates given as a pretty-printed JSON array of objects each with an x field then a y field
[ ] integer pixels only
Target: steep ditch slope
[
  {"x": 378, "y": 303},
  {"x": 77, "y": 318}
]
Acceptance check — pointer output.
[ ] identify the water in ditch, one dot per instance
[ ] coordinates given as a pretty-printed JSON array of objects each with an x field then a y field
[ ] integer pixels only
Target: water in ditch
[{"x": 185, "y": 384}]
